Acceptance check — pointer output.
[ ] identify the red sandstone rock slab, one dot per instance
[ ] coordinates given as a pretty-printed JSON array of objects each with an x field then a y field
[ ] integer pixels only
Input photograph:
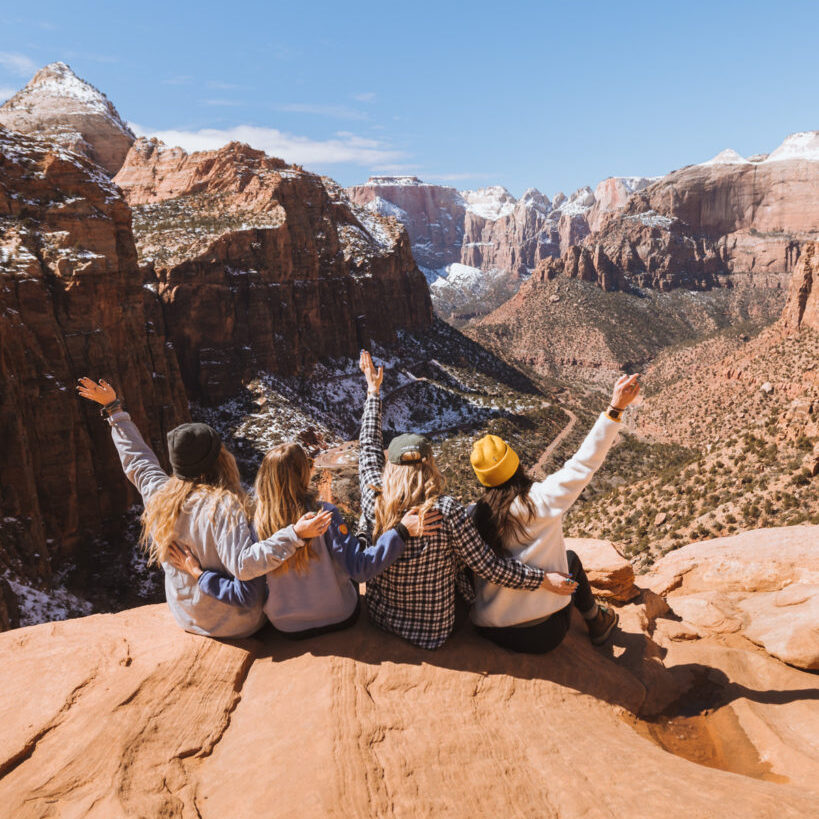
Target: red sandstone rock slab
[{"x": 610, "y": 574}]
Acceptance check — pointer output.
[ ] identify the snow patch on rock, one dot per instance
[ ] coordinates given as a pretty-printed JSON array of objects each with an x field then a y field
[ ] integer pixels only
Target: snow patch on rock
[
  {"x": 491, "y": 203},
  {"x": 801, "y": 146}
]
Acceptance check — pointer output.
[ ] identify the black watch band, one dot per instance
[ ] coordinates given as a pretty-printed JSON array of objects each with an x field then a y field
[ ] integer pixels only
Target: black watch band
[{"x": 106, "y": 411}]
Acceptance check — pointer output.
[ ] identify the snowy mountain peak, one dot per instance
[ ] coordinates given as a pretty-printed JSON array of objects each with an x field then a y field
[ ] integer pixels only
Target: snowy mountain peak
[
  {"x": 801, "y": 146},
  {"x": 57, "y": 85},
  {"x": 406, "y": 181},
  {"x": 727, "y": 157},
  {"x": 532, "y": 197},
  {"x": 492, "y": 203}
]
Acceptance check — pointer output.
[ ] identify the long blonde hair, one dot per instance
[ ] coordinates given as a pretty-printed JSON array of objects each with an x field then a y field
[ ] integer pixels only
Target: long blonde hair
[
  {"x": 283, "y": 495},
  {"x": 404, "y": 486},
  {"x": 224, "y": 492}
]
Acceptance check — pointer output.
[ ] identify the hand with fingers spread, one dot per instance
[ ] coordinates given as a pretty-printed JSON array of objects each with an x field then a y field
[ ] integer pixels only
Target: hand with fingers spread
[
  {"x": 184, "y": 560},
  {"x": 102, "y": 392},
  {"x": 374, "y": 376},
  {"x": 559, "y": 583},
  {"x": 313, "y": 524},
  {"x": 625, "y": 391},
  {"x": 420, "y": 524}
]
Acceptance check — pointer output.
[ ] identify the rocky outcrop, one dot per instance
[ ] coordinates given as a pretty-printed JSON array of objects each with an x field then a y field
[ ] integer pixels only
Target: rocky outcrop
[
  {"x": 476, "y": 247},
  {"x": 59, "y": 106},
  {"x": 72, "y": 303},
  {"x": 144, "y": 719},
  {"x": 802, "y": 309},
  {"x": 703, "y": 223},
  {"x": 261, "y": 266}
]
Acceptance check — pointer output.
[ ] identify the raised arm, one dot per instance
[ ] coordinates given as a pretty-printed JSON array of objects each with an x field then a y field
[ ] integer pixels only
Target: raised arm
[
  {"x": 138, "y": 460},
  {"x": 476, "y": 554},
  {"x": 561, "y": 489},
  {"x": 371, "y": 443}
]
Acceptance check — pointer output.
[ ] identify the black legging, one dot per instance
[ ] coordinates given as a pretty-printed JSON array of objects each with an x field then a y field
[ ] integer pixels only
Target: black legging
[{"x": 549, "y": 634}]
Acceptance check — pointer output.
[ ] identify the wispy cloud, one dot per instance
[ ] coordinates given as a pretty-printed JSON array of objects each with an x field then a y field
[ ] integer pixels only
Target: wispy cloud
[
  {"x": 224, "y": 102},
  {"x": 344, "y": 147},
  {"x": 335, "y": 111},
  {"x": 17, "y": 63},
  {"x": 454, "y": 177},
  {"x": 367, "y": 96},
  {"x": 6, "y": 92},
  {"x": 222, "y": 86}
]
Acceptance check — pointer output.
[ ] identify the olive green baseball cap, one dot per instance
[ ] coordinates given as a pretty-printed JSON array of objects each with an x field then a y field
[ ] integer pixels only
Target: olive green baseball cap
[{"x": 408, "y": 449}]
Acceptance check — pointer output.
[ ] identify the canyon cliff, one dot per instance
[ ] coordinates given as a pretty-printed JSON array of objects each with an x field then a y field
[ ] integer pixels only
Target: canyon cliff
[
  {"x": 72, "y": 304},
  {"x": 477, "y": 246},
  {"x": 262, "y": 266},
  {"x": 59, "y": 106}
]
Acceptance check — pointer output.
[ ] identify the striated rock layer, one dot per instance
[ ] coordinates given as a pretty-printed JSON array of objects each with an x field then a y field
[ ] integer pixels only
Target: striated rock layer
[
  {"x": 700, "y": 224},
  {"x": 71, "y": 304},
  {"x": 264, "y": 266},
  {"x": 687, "y": 714},
  {"x": 59, "y": 106}
]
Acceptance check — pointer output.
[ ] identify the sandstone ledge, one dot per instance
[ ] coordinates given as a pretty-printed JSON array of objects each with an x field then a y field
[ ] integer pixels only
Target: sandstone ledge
[{"x": 124, "y": 715}]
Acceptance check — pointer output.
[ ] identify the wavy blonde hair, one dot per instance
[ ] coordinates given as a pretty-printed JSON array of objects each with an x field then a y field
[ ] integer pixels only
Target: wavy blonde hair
[
  {"x": 283, "y": 495},
  {"x": 404, "y": 486},
  {"x": 224, "y": 492}
]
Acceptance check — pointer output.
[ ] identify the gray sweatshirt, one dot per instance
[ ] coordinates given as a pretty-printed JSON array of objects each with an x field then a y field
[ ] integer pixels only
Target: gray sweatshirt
[{"x": 220, "y": 540}]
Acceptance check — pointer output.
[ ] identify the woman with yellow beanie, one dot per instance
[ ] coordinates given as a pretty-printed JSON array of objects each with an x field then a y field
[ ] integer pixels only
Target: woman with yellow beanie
[{"x": 521, "y": 518}]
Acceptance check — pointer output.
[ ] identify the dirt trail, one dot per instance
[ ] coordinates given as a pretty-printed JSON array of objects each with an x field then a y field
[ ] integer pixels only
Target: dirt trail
[{"x": 539, "y": 468}]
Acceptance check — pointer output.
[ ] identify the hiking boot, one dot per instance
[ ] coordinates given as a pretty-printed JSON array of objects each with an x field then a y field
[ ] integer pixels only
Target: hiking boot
[{"x": 603, "y": 624}]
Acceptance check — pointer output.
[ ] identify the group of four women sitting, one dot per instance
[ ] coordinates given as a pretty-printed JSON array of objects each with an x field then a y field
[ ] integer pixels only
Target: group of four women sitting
[{"x": 232, "y": 560}]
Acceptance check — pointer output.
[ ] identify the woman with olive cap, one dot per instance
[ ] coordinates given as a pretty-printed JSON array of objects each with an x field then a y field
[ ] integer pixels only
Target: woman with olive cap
[
  {"x": 201, "y": 506},
  {"x": 521, "y": 518}
]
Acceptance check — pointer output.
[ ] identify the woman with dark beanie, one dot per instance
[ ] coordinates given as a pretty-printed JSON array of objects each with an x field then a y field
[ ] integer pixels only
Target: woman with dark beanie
[
  {"x": 521, "y": 518},
  {"x": 201, "y": 506}
]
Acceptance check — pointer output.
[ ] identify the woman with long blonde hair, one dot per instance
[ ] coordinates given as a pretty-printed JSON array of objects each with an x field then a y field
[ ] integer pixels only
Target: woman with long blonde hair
[
  {"x": 202, "y": 507},
  {"x": 415, "y": 597},
  {"x": 316, "y": 589}
]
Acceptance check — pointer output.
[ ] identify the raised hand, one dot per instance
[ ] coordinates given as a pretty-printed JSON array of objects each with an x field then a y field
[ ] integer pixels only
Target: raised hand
[
  {"x": 625, "y": 391},
  {"x": 422, "y": 524},
  {"x": 103, "y": 393},
  {"x": 559, "y": 583},
  {"x": 184, "y": 560},
  {"x": 312, "y": 524},
  {"x": 374, "y": 376}
]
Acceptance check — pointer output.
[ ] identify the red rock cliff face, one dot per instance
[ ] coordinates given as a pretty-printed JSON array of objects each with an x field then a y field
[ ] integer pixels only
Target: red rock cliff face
[
  {"x": 71, "y": 304},
  {"x": 704, "y": 222},
  {"x": 263, "y": 266},
  {"x": 802, "y": 309}
]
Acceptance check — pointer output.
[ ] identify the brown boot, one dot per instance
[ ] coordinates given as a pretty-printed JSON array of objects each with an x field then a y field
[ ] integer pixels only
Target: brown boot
[{"x": 603, "y": 624}]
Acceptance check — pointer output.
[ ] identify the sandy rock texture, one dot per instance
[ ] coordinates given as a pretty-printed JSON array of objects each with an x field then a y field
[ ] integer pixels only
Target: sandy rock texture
[
  {"x": 59, "y": 106},
  {"x": 803, "y": 300},
  {"x": 146, "y": 720},
  {"x": 264, "y": 266},
  {"x": 71, "y": 304}
]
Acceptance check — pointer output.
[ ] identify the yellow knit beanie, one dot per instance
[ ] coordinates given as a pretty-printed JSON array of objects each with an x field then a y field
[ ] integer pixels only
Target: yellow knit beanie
[{"x": 493, "y": 460}]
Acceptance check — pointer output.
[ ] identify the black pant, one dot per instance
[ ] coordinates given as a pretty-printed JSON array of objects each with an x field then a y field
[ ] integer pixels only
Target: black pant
[{"x": 549, "y": 634}]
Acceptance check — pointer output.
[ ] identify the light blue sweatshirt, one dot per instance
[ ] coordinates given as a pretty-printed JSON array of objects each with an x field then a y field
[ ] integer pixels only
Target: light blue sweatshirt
[
  {"x": 218, "y": 536},
  {"x": 326, "y": 594}
]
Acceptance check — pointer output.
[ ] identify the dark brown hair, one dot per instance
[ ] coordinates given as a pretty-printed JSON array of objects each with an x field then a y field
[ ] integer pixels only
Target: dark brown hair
[{"x": 493, "y": 517}]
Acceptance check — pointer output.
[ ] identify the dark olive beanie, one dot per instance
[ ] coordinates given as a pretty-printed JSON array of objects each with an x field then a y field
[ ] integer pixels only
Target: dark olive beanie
[{"x": 193, "y": 450}]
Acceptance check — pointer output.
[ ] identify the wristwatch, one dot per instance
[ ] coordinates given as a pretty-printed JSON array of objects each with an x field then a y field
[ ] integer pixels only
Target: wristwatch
[
  {"x": 106, "y": 411},
  {"x": 614, "y": 413}
]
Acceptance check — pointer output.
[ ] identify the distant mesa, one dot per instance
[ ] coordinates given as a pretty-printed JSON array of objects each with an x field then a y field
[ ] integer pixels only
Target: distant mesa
[{"x": 57, "y": 105}]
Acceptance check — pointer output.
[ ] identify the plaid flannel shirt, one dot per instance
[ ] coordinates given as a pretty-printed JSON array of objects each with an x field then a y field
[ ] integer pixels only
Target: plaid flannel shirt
[{"x": 415, "y": 597}]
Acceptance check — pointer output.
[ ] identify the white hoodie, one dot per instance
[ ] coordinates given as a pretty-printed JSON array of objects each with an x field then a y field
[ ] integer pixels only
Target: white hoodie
[{"x": 543, "y": 546}]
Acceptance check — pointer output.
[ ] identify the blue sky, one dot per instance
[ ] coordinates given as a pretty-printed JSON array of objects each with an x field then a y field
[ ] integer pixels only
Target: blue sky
[{"x": 552, "y": 95}]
